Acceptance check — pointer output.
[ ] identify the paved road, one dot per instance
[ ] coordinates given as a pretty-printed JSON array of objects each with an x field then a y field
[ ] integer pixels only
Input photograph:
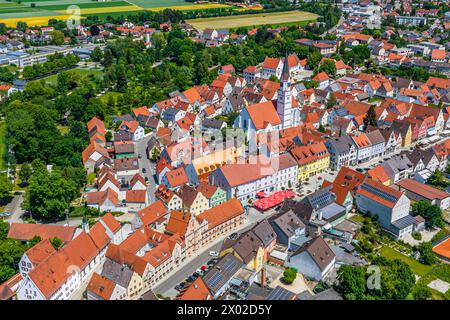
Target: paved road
[
  {"x": 166, "y": 288},
  {"x": 15, "y": 208},
  {"x": 144, "y": 162}
]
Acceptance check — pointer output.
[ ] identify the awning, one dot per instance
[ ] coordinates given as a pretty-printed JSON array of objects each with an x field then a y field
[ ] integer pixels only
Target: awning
[{"x": 273, "y": 200}]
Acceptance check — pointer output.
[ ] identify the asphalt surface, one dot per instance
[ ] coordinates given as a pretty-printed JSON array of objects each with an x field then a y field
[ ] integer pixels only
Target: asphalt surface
[
  {"x": 191, "y": 264},
  {"x": 144, "y": 162},
  {"x": 15, "y": 208}
]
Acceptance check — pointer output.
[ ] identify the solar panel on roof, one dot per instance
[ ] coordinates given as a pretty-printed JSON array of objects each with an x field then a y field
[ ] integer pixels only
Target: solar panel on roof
[
  {"x": 379, "y": 193},
  {"x": 279, "y": 293},
  {"x": 228, "y": 265},
  {"x": 215, "y": 280}
]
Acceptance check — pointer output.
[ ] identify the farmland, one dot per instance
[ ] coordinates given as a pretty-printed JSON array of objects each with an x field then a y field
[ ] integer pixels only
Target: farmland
[{"x": 275, "y": 18}]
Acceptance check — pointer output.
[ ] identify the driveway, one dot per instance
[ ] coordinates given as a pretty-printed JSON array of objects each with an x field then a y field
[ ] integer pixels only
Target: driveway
[{"x": 15, "y": 208}]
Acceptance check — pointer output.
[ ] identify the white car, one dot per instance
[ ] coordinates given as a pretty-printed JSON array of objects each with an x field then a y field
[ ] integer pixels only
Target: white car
[{"x": 214, "y": 254}]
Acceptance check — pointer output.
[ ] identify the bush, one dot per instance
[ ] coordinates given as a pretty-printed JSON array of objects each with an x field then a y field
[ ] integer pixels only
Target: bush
[
  {"x": 416, "y": 235},
  {"x": 289, "y": 275}
]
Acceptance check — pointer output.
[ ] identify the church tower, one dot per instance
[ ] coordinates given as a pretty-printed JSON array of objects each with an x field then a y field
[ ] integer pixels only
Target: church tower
[{"x": 284, "y": 101}]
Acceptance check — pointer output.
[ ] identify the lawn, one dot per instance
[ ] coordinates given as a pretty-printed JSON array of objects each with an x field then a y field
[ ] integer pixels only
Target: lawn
[
  {"x": 82, "y": 72},
  {"x": 2, "y": 145},
  {"x": 158, "y": 3},
  {"x": 416, "y": 267},
  {"x": 357, "y": 218},
  {"x": 248, "y": 20}
]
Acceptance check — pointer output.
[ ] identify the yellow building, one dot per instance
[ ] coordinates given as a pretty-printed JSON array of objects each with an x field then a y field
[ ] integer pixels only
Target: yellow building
[
  {"x": 312, "y": 159},
  {"x": 211, "y": 160},
  {"x": 192, "y": 200},
  {"x": 135, "y": 286}
]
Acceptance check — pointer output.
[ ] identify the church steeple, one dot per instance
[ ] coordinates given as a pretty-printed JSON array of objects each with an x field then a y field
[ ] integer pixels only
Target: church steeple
[
  {"x": 285, "y": 75},
  {"x": 284, "y": 101}
]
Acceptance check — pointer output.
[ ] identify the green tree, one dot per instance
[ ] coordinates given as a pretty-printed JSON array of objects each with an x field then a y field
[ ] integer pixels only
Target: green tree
[
  {"x": 25, "y": 173},
  {"x": 321, "y": 128},
  {"x": 427, "y": 256},
  {"x": 49, "y": 194},
  {"x": 328, "y": 66},
  {"x": 57, "y": 37},
  {"x": 56, "y": 242},
  {"x": 437, "y": 180},
  {"x": 370, "y": 118},
  {"x": 314, "y": 58},
  {"x": 421, "y": 292},
  {"x": 352, "y": 283},
  {"x": 97, "y": 54},
  {"x": 5, "y": 189},
  {"x": 431, "y": 213},
  {"x": 289, "y": 275}
]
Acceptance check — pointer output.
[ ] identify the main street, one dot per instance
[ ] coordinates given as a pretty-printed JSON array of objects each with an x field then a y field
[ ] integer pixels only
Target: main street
[{"x": 166, "y": 288}]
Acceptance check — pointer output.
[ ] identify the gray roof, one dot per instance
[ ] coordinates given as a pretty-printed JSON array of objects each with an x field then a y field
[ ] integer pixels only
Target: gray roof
[
  {"x": 375, "y": 137},
  {"x": 419, "y": 154},
  {"x": 332, "y": 211},
  {"x": 398, "y": 163},
  {"x": 117, "y": 273},
  {"x": 319, "y": 251},
  {"x": 341, "y": 144},
  {"x": 329, "y": 294},
  {"x": 212, "y": 123},
  {"x": 287, "y": 222},
  {"x": 264, "y": 231},
  {"x": 222, "y": 272},
  {"x": 280, "y": 293},
  {"x": 404, "y": 222}
]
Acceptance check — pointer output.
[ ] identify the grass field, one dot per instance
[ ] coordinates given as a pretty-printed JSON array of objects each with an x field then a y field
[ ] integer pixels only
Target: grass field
[
  {"x": 82, "y": 72},
  {"x": 60, "y": 7},
  {"x": 192, "y": 7},
  {"x": 275, "y": 18},
  {"x": 416, "y": 267},
  {"x": 158, "y": 3}
]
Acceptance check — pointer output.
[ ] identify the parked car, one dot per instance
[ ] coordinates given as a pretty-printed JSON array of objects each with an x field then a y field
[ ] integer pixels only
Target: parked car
[
  {"x": 191, "y": 279},
  {"x": 5, "y": 214},
  {"x": 144, "y": 170},
  {"x": 196, "y": 275},
  {"x": 233, "y": 236},
  {"x": 140, "y": 156},
  {"x": 178, "y": 287},
  {"x": 214, "y": 254},
  {"x": 211, "y": 262}
]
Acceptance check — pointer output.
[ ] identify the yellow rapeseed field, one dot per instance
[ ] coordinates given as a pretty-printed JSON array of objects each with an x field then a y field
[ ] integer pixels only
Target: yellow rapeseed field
[
  {"x": 192, "y": 7},
  {"x": 34, "y": 21}
]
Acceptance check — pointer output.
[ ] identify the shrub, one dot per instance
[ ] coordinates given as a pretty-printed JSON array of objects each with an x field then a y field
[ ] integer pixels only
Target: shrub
[
  {"x": 416, "y": 235},
  {"x": 289, "y": 275}
]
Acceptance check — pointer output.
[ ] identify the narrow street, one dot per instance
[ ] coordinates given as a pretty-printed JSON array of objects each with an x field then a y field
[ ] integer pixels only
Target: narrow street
[
  {"x": 166, "y": 288},
  {"x": 15, "y": 208},
  {"x": 145, "y": 163}
]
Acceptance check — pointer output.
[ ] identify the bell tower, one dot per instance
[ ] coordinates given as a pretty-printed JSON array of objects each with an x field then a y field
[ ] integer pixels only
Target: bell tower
[{"x": 284, "y": 101}]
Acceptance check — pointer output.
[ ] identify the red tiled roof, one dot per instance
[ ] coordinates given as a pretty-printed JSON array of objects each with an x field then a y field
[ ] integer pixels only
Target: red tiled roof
[
  {"x": 136, "y": 196},
  {"x": 196, "y": 291},
  {"x": 101, "y": 286},
  {"x": 27, "y": 231},
  {"x": 152, "y": 213},
  {"x": 40, "y": 252},
  {"x": 423, "y": 190},
  {"x": 222, "y": 213}
]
